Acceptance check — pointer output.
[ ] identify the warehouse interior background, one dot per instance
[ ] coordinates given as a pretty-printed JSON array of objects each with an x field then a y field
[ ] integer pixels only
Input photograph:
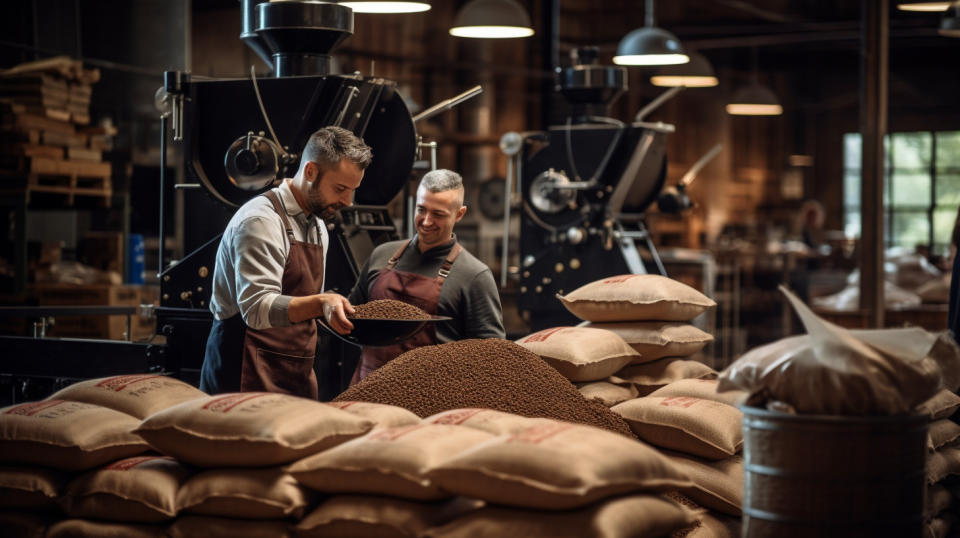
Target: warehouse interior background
[{"x": 743, "y": 236}]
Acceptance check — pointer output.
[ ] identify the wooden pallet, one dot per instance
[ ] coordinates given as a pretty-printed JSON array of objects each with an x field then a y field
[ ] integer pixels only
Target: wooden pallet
[{"x": 53, "y": 176}]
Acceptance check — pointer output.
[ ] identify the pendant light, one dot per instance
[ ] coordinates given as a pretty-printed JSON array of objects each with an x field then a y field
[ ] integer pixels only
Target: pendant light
[
  {"x": 650, "y": 45},
  {"x": 923, "y": 6},
  {"x": 497, "y": 19},
  {"x": 950, "y": 25},
  {"x": 697, "y": 73},
  {"x": 378, "y": 6},
  {"x": 755, "y": 99}
]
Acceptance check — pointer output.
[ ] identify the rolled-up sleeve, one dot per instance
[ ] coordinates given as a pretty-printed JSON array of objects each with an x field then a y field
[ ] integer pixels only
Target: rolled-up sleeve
[{"x": 260, "y": 258}]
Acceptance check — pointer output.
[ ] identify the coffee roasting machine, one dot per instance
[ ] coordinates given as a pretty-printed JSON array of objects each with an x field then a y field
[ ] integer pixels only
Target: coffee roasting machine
[{"x": 584, "y": 187}]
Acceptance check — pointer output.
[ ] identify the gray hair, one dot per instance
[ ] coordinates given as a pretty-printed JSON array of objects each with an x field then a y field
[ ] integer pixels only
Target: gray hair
[
  {"x": 329, "y": 145},
  {"x": 443, "y": 180}
]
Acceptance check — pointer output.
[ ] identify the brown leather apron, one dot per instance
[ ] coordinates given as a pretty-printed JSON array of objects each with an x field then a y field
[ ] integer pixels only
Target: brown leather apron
[
  {"x": 411, "y": 288},
  {"x": 280, "y": 359}
]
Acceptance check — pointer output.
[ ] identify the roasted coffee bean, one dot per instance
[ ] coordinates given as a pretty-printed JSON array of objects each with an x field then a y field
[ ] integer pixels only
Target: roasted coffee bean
[
  {"x": 388, "y": 309},
  {"x": 491, "y": 374}
]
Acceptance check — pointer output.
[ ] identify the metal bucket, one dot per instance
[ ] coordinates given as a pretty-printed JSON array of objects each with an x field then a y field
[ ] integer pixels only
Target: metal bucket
[{"x": 821, "y": 476}]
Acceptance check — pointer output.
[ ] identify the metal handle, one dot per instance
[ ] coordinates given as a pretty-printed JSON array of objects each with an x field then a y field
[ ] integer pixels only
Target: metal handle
[
  {"x": 697, "y": 166},
  {"x": 448, "y": 104},
  {"x": 655, "y": 104}
]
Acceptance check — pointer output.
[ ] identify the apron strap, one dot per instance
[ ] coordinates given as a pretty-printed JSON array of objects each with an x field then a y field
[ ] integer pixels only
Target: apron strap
[
  {"x": 444, "y": 271},
  {"x": 396, "y": 255},
  {"x": 278, "y": 207}
]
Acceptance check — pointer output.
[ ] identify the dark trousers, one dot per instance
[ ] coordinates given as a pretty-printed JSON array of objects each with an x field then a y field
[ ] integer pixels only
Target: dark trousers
[{"x": 223, "y": 359}]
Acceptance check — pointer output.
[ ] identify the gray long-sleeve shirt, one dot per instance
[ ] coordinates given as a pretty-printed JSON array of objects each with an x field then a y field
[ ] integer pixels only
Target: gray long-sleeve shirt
[
  {"x": 250, "y": 260},
  {"x": 469, "y": 294}
]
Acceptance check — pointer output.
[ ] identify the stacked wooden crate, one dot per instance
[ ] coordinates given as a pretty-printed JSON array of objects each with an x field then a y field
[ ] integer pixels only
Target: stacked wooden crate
[{"x": 46, "y": 142}]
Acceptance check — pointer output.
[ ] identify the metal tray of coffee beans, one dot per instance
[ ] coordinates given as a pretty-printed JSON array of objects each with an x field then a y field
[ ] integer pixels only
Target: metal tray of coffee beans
[{"x": 381, "y": 332}]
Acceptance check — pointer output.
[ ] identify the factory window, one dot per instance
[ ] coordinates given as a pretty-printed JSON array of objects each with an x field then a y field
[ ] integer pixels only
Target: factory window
[{"x": 921, "y": 190}]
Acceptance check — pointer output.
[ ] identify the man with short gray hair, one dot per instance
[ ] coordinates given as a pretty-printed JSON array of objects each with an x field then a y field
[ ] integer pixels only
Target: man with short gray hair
[{"x": 437, "y": 275}]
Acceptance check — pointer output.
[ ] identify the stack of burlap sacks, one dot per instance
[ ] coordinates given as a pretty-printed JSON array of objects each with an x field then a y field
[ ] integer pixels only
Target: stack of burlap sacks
[
  {"x": 636, "y": 354},
  {"x": 148, "y": 456},
  {"x": 943, "y": 464}
]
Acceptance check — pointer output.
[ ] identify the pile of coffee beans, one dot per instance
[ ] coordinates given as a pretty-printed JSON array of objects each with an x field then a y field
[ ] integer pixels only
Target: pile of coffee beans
[
  {"x": 388, "y": 309},
  {"x": 491, "y": 374}
]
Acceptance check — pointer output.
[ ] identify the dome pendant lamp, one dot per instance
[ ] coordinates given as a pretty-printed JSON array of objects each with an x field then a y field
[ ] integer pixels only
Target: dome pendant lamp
[
  {"x": 697, "y": 73},
  {"x": 650, "y": 45},
  {"x": 754, "y": 99},
  {"x": 497, "y": 19},
  {"x": 378, "y": 6},
  {"x": 923, "y": 6}
]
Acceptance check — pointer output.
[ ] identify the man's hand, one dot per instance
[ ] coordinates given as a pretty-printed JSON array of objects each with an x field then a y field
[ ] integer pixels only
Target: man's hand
[
  {"x": 332, "y": 306},
  {"x": 335, "y": 310}
]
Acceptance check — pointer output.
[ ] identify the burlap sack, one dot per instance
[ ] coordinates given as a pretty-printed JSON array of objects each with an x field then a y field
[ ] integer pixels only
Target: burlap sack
[
  {"x": 141, "y": 489},
  {"x": 249, "y": 429},
  {"x": 24, "y": 524},
  {"x": 942, "y": 405},
  {"x": 137, "y": 395},
  {"x": 711, "y": 525},
  {"x": 939, "y": 527},
  {"x": 382, "y": 415},
  {"x": 356, "y": 516},
  {"x": 636, "y": 298},
  {"x": 32, "y": 488},
  {"x": 634, "y": 515},
  {"x": 943, "y": 463},
  {"x": 488, "y": 420},
  {"x": 705, "y": 389},
  {"x": 243, "y": 493},
  {"x": 555, "y": 465},
  {"x": 657, "y": 339},
  {"x": 938, "y": 499},
  {"x": 702, "y": 428},
  {"x": 81, "y": 528},
  {"x": 717, "y": 485},
  {"x": 71, "y": 436},
  {"x": 391, "y": 461},
  {"x": 187, "y": 526},
  {"x": 653, "y": 375},
  {"x": 610, "y": 391},
  {"x": 580, "y": 353},
  {"x": 942, "y": 432}
]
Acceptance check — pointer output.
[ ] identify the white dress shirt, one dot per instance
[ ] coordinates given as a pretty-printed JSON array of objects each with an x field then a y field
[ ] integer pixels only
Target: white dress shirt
[{"x": 251, "y": 257}]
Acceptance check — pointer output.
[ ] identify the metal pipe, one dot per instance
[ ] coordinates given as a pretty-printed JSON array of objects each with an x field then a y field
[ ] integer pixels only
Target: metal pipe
[
  {"x": 163, "y": 187},
  {"x": 653, "y": 105},
  {"x": 354, "y": 91},
  {"x": 507, "y": 195},
  {"x": 448, "y": 104}
]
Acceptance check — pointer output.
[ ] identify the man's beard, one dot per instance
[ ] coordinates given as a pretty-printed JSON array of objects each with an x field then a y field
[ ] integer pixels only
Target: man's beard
[{"x": 328, "y": 211}]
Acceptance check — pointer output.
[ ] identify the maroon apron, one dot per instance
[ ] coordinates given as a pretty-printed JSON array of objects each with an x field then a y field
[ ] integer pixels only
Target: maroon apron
[
  {"x": 280, "y": 359},
  {"x": 411, "y": 288}
]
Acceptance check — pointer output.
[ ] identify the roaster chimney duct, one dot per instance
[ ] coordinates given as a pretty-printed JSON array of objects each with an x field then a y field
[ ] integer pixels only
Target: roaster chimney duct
[
  {"x": 298, "y": 35},
  {"x": 589, "y": 86},
  {"x": 248, "y": 30}
]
